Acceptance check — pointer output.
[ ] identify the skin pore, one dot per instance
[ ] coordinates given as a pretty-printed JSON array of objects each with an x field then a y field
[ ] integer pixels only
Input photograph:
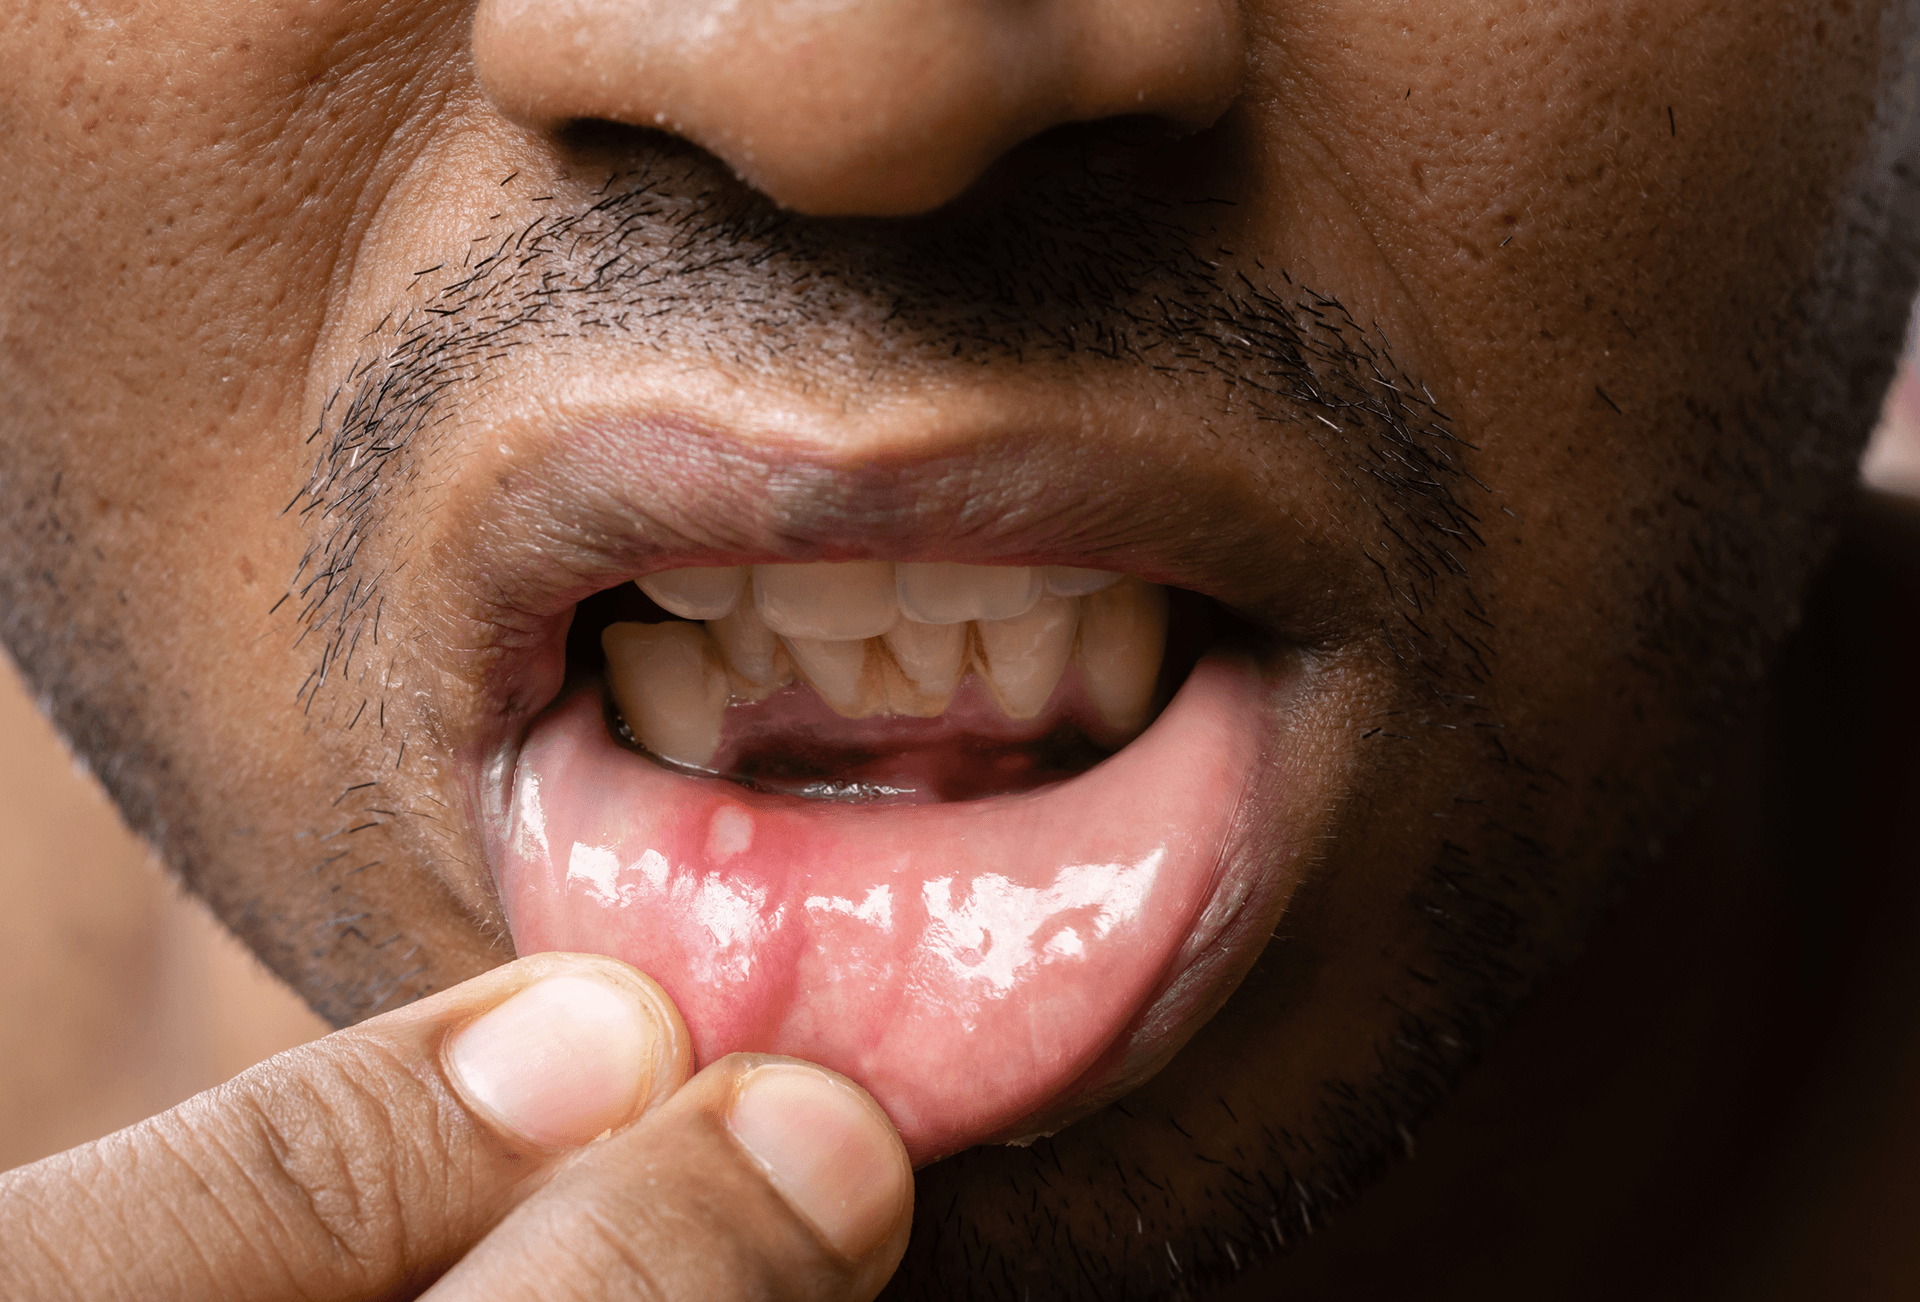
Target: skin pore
[{"x": 1473, "y": 357}]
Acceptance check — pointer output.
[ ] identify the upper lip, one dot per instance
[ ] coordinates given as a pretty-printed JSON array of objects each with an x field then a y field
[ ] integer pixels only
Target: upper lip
[{"x": 599, "y": 497}]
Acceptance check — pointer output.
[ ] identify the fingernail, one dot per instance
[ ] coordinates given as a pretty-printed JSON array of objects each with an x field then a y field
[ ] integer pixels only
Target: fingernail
[
  {"x": 827, "y": 1152},
  {"x": 560, "y": 1062}
]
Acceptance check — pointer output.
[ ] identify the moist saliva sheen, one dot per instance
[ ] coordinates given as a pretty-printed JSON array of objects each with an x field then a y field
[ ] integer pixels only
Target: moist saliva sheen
[{"x": 877, "y": 681}]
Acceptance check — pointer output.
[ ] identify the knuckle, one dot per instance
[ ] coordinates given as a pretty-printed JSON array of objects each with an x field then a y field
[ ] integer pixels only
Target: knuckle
[{"x": 338, "y": 1149}]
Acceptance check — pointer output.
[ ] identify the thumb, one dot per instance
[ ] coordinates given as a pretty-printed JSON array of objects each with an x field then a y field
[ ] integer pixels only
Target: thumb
[{"x": 362, "y": 1165}]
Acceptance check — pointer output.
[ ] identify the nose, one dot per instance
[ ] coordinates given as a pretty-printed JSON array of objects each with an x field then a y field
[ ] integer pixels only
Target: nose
[{"x": 857, "y": 107}]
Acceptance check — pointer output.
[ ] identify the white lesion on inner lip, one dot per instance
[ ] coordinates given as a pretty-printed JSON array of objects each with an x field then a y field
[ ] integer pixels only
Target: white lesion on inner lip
[{"x": 874, "y": 637}]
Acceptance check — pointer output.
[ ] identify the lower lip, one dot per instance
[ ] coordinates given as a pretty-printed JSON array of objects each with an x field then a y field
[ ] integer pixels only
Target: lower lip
[{"x": 981, "y": 967}]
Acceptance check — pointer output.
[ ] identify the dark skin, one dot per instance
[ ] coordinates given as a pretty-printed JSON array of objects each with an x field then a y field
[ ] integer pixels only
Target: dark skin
[
  {"x": 1478, "y": 362},
  {"x": 1715, "y": 1099}
]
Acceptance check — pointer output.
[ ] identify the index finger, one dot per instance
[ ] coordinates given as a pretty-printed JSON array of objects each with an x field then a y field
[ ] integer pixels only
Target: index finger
[{"x": 362, "y": 1165}]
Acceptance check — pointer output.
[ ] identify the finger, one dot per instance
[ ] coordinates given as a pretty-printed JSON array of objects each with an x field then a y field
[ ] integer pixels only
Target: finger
[
  {"x": 359, "y": 1166},
  {"x": 762, "y": 1178}
]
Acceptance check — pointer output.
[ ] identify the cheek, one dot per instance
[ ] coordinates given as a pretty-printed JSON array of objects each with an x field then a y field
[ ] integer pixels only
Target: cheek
[
  {"x": 1583, "y": 205},
  {"x": 1582, "y": 202},
  {"x": 199, "y": 178},
  {"x": 198, "y": 172}
]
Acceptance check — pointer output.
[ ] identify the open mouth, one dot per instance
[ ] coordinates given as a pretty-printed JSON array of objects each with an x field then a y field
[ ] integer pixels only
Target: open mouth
[
  {"x": 969, "y": 834},
  {"x": 875, "y": 682}
]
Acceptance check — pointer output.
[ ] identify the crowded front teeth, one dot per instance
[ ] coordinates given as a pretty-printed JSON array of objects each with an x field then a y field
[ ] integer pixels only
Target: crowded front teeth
[{"x": 872, "y": 637}]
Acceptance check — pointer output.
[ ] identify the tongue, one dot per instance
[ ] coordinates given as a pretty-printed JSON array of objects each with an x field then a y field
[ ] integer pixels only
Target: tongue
[{"x": 975, "y": 965}]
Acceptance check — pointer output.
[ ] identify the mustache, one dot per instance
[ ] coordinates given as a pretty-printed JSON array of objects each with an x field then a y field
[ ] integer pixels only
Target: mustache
[
  {"x": 1076, "y": 269},
  {"x": 1070, "y": 263}
]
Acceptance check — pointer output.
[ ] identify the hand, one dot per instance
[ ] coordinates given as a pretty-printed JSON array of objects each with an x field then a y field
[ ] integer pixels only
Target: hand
[{"x": 531, "y": 1134}]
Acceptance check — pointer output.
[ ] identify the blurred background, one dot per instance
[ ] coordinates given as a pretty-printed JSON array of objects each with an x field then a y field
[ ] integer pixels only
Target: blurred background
[{"x": 120, "y": 996}]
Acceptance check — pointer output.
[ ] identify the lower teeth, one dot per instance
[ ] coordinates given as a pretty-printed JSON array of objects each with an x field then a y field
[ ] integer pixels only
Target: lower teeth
[
  {"x": 682, "y": 687},
  {"x": 789, "y": 745}
]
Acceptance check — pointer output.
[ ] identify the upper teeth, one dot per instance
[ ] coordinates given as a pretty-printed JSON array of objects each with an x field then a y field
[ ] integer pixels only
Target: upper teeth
[
  {"x": 853, "y": 599},
  {"x": 873, "y": 637}
]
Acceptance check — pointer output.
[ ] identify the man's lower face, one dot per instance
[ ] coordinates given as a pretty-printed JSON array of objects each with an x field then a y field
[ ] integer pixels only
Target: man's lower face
[
  {"x": 967, "y": 730},
  {"x": 1160, "y": 654}
]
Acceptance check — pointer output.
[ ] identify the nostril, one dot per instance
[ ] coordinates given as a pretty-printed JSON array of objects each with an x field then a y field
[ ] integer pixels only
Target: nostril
[
  {"x": 1135, "y": 150},
  {"x": 604, "y": 138}
]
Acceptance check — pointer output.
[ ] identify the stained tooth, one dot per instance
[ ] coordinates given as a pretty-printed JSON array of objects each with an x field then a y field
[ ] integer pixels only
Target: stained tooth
[
  {"x": 941, "y": 592},
  {"x": 828, "y": 601},
  {"x": 837, "y": 670},
  {"x": 1123, "y": 634},
  {"x": 1026, "y": 654},
  {"x": 670, "y": 687},
  {"x": 698, "y": 592},
  {"x": 931, "y": 657},
  {"x": 756, "y": 661},
  {"x": 1071, "y": 581}
]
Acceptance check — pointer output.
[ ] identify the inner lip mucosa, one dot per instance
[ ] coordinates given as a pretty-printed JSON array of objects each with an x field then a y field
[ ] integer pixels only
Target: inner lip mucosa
[{"x": 1044, "y": 688}]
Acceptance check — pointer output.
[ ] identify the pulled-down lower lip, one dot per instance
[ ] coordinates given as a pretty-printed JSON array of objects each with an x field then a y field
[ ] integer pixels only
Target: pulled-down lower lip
[{"x": 985, "y": 968}]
